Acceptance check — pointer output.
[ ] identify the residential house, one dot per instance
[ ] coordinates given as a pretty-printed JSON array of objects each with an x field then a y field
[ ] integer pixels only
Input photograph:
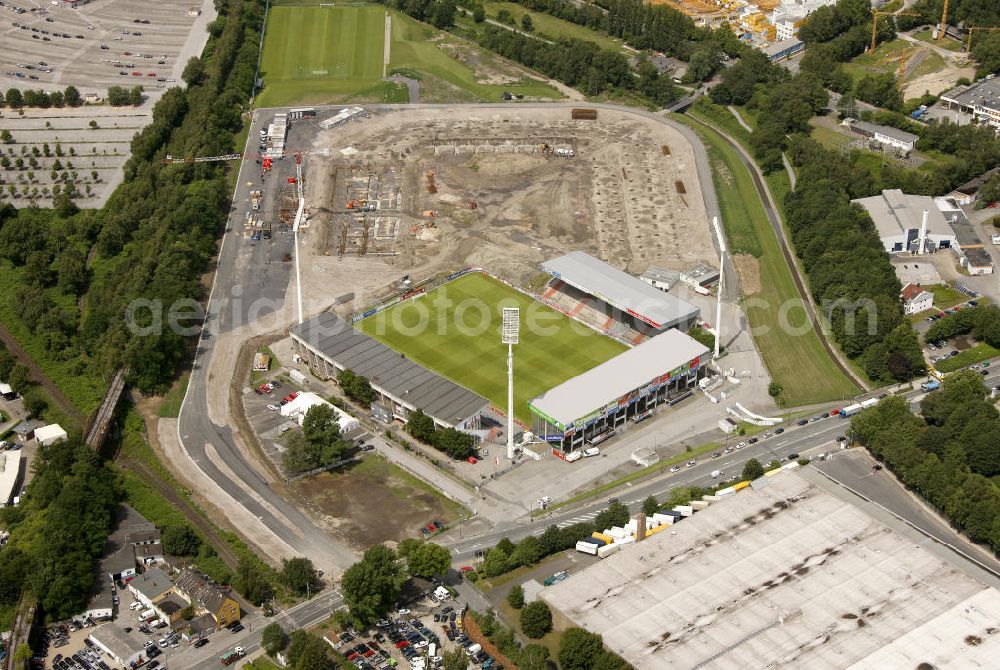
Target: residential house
[
  {"x": 916, "y": 299},
  {"x": 151, "y": 586},
  {"x": 206, "y": 595}
]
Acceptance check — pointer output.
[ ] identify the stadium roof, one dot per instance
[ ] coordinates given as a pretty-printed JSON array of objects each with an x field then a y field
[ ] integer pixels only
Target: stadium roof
[
  {"x": 626, "y": 372},
  {"x": 620, "y": 290},
  {"x": 388, "y": 370},
  {"x": 788, "y": 576}
]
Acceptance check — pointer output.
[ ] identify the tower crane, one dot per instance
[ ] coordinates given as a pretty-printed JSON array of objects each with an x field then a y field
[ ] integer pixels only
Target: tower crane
[
  {"x": 875, "y": 16},
  {"x": 944, "y": 21},
  {"x": 985, "y": 29}
]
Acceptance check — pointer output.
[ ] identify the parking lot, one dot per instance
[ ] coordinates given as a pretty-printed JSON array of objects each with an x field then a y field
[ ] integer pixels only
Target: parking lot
[
  {"x": 412, "y": 638},
  {"x": 100, "y": 44}
]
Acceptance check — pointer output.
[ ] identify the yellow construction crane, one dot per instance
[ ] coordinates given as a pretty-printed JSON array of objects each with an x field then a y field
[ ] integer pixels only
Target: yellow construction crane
[
  {"x": 875, "y": 16},
  {"x": 944, "y": 20},
  {"x": 985, "y": 29}
]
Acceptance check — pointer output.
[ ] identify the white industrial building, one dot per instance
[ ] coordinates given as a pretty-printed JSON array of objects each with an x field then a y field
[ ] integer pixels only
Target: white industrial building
[
  {"x": 981, "y": 100},
  {"x": 899, "y": 220},
  {"x": 786, "y": 574},
  {"x": 125, "y": 649},
  {"x": 343, "y": 116},
  {"x": 884, "y": 135},
  {"x": 297, "y": 408},
  {"x": 50, "y": 434},
  {"x": 10, "y": 474},
  {"x": 660, "y": 278}
]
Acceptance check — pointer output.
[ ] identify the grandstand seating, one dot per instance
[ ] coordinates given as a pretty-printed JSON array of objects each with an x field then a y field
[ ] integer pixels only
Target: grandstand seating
[{"x": 595, "y": 313}]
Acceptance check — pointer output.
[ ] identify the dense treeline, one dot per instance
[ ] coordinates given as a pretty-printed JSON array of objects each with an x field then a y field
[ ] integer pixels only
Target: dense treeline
[
  {"x": 966, "y": 12},
  {"x": 440, "y": 13},
  {"x": 16, "y": 99},
  {"x": 948, "y": 456},
  {"x": 157, "y": 233},
  {"x": 60, "y": 529},
  {"x": 456, "y": 444},
  {"x": 982, "y": 322},
  {"x": 850, "y": 276}
]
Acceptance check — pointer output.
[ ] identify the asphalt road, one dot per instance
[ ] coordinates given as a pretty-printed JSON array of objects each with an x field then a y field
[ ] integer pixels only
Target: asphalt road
[
  {"x": 809, "y": 440},
  {"x": 250, "y": 282}
]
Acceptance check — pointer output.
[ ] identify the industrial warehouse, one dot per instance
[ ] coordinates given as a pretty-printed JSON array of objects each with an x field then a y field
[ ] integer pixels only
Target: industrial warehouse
[
  {"x": 590, "y": 407},
  {"x": 784, "y": 574}
]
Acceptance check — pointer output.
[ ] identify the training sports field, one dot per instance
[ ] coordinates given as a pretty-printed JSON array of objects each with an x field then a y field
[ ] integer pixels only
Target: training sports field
[
  {"x": 473, "y": 356},
  {"x": 314, "y": 53}
]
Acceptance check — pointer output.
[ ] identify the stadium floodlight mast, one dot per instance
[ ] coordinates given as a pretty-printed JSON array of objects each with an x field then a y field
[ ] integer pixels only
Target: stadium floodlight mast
[
  {"x": 509, "y": 335},
  {"x": 722, "y": 276}
]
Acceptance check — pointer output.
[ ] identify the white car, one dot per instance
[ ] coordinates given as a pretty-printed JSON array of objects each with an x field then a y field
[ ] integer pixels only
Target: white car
[
  {"x": 691, "y": 464},
  {"x": 402, "y": 612},
  {"x": 675, "y": 469},
  {"x": 273, "y": 408},
  {"x": 741, "y": 445},
  {"x": 421, "y": 644},
  {"x": 135, "y": 605}
]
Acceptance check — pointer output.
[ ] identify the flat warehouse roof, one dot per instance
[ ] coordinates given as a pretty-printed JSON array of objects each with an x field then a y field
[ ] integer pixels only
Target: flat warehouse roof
[
  {"x": 894, "y": 213},
  {"x": 595, "y": 388},
  {"x": 620, "y": 289},
  {"x": 788, "y": 575},
  {"x": 389, "y": 370}
]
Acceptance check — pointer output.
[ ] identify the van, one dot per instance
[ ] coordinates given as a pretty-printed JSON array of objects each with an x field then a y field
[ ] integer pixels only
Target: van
[
  {"x": 716, "y": 473},
  {"x": 592, "y": 451}
]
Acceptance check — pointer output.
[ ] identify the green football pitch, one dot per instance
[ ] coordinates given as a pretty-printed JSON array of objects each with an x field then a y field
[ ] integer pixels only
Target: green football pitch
[
  {"x": 455, "y": 331},
  {"x": 313, "y": 53}
]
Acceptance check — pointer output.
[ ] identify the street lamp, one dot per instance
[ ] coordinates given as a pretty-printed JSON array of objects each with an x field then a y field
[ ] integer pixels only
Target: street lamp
[{"x": 509, "y": 335}]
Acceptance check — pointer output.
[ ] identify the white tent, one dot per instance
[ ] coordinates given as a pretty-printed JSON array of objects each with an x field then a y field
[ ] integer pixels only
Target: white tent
[
  {"x": 297, "y": 408},
  {"x": 47, "y": 435}
]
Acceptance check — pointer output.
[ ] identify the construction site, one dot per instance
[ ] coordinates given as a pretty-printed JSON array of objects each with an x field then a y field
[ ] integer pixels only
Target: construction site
[{"x": 503, "y": 190}]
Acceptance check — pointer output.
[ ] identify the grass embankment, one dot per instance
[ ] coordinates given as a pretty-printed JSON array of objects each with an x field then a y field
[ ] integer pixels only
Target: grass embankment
[
  {"x": 455, "y": 331},
  {"x": 451, "y": 69},
  {"x": 793, "y": 353},
  {"x": 886, "y": 57},
  {"x": 555, "y": 28}
]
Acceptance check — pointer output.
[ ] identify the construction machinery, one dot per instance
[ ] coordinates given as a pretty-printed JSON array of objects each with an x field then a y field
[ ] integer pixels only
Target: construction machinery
[
  {"x": 545, "y": 149},
  {"x": 255, "y": 199},
  {"x": 944, "y": 21},
  {"x": 983, "y": 29},
  {"x": 875, "y": 16}
]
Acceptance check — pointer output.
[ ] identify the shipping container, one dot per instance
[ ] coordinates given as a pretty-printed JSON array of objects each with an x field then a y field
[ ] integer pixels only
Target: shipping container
[
  {"x": 587, "y": 548},
  {"x": 604, "y": 552},
  {"x": 664, "y": 519},
  {"x": 626, "y": 540},
  {"x": 741, "y": 485},
  {"x": 601, "y": 536},
  {"x": 616, "y": 531},
  {"x": 594, "y": 541},
  {"x": 710, "y": 498},
  {"x": 728, "y": 491},
  {"x": 697, "y": 505},
  {"x": 685, "y": 510}
]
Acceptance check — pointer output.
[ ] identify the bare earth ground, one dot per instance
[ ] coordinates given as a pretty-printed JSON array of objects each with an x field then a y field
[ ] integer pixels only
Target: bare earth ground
[
  {"x": 368, "y": 505},
  {"x": 937, "y": 82},
  {"x": 617, "y": 198},
  {"x": 748, "y": 269}
]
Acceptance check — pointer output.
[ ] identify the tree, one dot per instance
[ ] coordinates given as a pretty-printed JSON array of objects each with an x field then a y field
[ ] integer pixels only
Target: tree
[
  {"x": 615, "y": 515},
  {"x": 180, "y": 540},
  {"x": 774, "y": 389},
  {"x": 6, "y": 137},
  {"x": 429, "y": 560},
  {"x": 989, "y": 193},
  {"x": 496, "y": 562},
  {"x": 752, "y": 470},
  {"x": 72, "y": 97},
  {"x": 478, "y": 15},
  {"x": 650, "y": 506},
  {"x": 515, "y": 597},
  {"x": 880, "y": 90},
  {"x": 420, "y": 426},
  {"x": 527, "y": 25},
  {"x": 371, "y": 586},
  {"x": 454, "y": 660},
  {"x": 252, "y": 581},
  {"x": 274, "y": 638},
  {"x": 847, "y": 107},
  {"x": 578, "y": 649},
  {"x": 193, "y": 72},
  {"x": 19, "y": 378},
  {"x": 300, "y": 576},
  {"x": 14, "y": 98},
  {"x": 536, "y": 619},
  {"x": 308, "y": 652},
  {"x": 534, "y": 657}
]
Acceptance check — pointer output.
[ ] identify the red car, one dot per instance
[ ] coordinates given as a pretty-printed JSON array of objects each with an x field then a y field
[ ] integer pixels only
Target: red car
[
  {"x": 401, "y": 644},
  {"x": 467, "y": 568},
  {"x": 472, "y": 459},
  {"x": 292, "y": 180}
]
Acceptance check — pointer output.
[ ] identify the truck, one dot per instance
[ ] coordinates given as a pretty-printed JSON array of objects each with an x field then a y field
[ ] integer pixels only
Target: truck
[
  {"x": 919, "y": 112},
  {"x": 851, "y": 410},
  {"x": 232, "y": 656},
  {"x": 255, "y": 199},
  {"x": 591, "y": 451},
  {"x": 586, "y": 548},
  {"x": 474, "y": 649},
  {"x": 871, "y": 402},
  {"x": 932, "y": 385}
]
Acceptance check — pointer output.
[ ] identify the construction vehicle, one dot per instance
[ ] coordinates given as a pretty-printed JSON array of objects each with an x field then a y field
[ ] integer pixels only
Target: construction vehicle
[
  {"x": 565, "y": 152},
  {"x": 944, "y": 21},
  {"x": 545, "y": 149},
  {"x": 355, "y": 204},
  {"x": 266, "y": 166},
  {"x": 255, "y": 199}
]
